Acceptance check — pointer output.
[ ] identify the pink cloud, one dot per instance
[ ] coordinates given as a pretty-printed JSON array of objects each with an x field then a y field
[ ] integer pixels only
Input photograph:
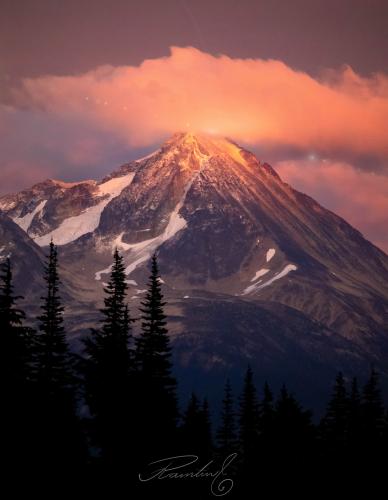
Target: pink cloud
[
  {"x": 359, "y": 197},
  {"x": 251, "y": 100}
]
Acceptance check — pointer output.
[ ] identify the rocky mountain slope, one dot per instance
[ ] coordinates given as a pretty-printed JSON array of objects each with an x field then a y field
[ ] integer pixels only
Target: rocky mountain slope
[{"x": 26, "y": 256}]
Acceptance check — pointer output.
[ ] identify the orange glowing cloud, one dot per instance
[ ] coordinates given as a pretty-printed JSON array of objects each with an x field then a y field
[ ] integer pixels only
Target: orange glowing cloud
[
  {"x": 250, "y": 100},
  {"x": 75, "y": 127}
]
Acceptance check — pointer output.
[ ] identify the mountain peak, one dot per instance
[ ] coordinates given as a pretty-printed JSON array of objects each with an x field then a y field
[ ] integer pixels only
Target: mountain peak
[
  {"x": 201, "y": 138},
  {"x": 205, "y": 146}
]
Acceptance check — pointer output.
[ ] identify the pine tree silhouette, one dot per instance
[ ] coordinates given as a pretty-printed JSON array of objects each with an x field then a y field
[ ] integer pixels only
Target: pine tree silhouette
[
  {"x": 226, "y": 434},
  {"x": 15, "y": 338},
  {"x": 293, "y": 431},
  {"x": 108, "y": 371},
  {"x": 15, "y": 373},
  {"x": 153, "y": 350},
  {"x": 157, "y": 386},
  {"x": 191, "y": 426},
  {"x": 354, "y": 421},
  {"x": 267, "y": 429},
  {"x": 196, "y": 436},
  {"x": 248, "y": 422},
  {"x": 372, "y": 416},
  {"x": 206, "y": 433},
  {"x": 53, "y": 358},
  {"x": 10, "y": 316},
  {"x": 334, "y": 425},
  {"x": 59, "y": 438},
  {"x": 267, "y": 411}
]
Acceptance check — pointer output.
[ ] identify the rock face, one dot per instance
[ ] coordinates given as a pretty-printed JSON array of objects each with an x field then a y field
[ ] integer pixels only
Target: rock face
[
  {"x": 26, "y": 256},
  {"x": 231, "y": 237}
]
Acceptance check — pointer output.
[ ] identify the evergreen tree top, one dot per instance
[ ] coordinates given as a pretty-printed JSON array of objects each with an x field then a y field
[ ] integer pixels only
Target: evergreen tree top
[
  {"x": 53, "y": 360},
  {"x": 249, "y": 405},
  {"x": 51, "y": 319},
  {"x": 226, "y": 433},
  {"x": 10, "y": 316},
  {"x": 153, "y": 351},
  {"x": 116, "y": 320}
]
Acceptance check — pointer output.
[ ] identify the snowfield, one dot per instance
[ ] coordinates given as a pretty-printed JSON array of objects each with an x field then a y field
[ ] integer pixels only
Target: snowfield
[
  {"x": 74, "y": 227},
  {"x": 25, "y": 222}
]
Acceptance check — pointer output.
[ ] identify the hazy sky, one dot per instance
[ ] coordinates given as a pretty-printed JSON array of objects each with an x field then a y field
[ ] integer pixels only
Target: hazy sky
[
  {"x": 67, "y": 37},
  {"x": 87, "y": 85}
]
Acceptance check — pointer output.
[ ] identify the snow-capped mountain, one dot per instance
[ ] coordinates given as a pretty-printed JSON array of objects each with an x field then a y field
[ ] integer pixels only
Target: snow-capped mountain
[{"x": 228, "y": 231}]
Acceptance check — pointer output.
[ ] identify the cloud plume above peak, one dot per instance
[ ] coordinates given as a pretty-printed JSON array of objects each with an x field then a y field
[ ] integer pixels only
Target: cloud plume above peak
[
  {"x": 250, "y": 100},
  {"x": 82, "y": 126}
]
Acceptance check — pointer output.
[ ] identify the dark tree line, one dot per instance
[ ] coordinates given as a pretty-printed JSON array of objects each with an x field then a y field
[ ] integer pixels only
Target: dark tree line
[{"x": 114, "y": 407}]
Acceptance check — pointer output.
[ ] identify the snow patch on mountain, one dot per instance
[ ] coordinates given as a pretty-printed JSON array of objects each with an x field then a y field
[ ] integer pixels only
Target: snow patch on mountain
[
  {"x": 257, "y": 286},
  {"x": 270, "y": 253},
  {"x": 25, "y": 221},
  {"x": 284, "y": 272},
  {"x": 259, "y": 273},
  {"x": 119, "y": 243},
  {"x": 251, "y": 288},
  {"x": 142, "y": 251},
  {"x": 74, "y": 227},
  {"x": 137, "y": 253},
  {"x": 103, "y": 271}
]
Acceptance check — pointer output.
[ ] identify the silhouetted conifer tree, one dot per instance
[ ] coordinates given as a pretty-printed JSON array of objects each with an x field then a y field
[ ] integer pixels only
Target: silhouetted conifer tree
[
  {"x": 191, "y": 426},
  {"x": 157, "y": 386},
  {"x": 196, "y": 429},
  {"x": 248, "y": 422},
  {"x": 108, "y": 371},
  {"x": 15, "y": 338},
  {"x": 58, "y": 440},
  {"x": 267, "y": 412},
  {"x": 334, "y": 425},
  {"x": 266, "y": 429},
  {"x": 15, "y": 374},
  {"x": 354, "y": 419},
  {"x": 52, "y": 355},
  {"x": 293, "y": 431},
  {"x": 372, "y": 414},
  {"x": 226, "y": 434},
  {"x": 206, "y": 433}
]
